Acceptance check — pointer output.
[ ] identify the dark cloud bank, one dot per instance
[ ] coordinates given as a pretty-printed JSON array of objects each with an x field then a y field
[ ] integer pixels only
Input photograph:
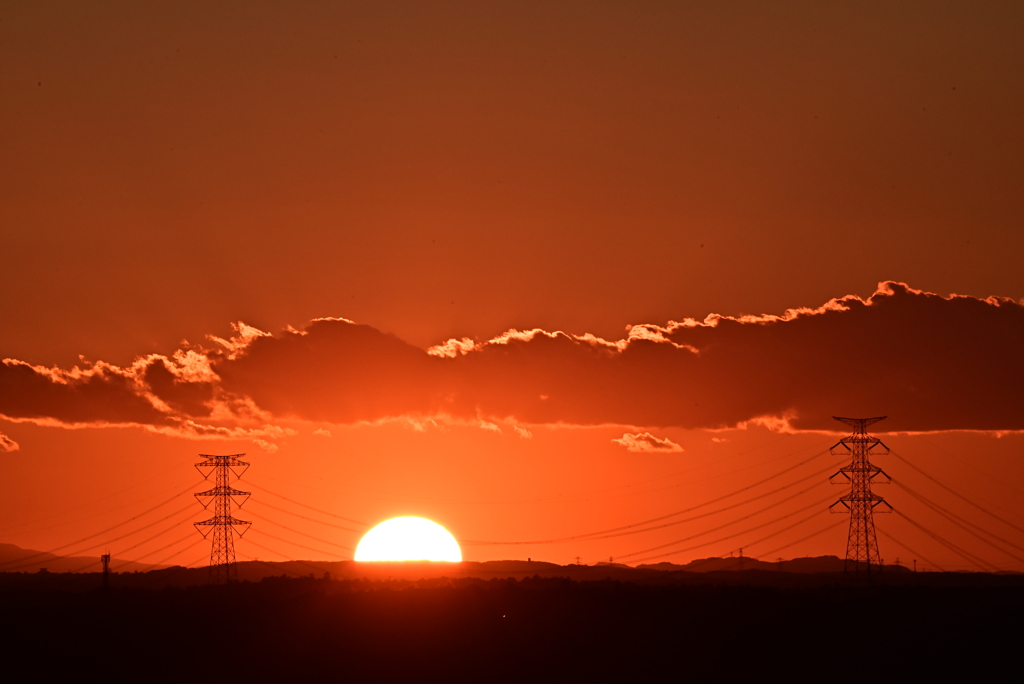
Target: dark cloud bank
[{"x": 928, "y": 362}]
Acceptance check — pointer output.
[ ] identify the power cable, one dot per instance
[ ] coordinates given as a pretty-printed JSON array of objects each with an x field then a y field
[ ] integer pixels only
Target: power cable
[
  {"x": 968, "y": 463},
  {"x": 92, "y": 536},
  {"x": 302, "y": 546},
  {"x": 962, "y": 523},
  {"x": 605, "y": 534},
  {"x": 950, "y": 545},
  {"x": 89, "y": 503},
  {"x": 181, "y": 551},
  {"x": 958, "y": 494},
  {"x": 830, "y": 526},
  {"x": 110, "y": 541},
  {"x": 299, "y": 503},
  {"x": 912, "y": 551},
  {"x": 156, "y": 551},
  {"x": 579, "y": 497},
  {"x": 294, "y": 531},
  {"x": 285, "y": 570},
  {"x": 723, "y": 526},
  {"x": 298, "y": 515}
]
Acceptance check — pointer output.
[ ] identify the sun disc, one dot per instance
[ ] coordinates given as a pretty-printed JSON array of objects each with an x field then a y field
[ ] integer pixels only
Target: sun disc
[{"x": 408, "y": 538}]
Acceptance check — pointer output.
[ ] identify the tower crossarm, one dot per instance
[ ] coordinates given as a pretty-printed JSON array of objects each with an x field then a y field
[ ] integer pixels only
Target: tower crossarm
[
  {"x": 223, "y": 520},
  {"x": 212, "y": 462},
  {"x": 862, "y": 496},
  {"x": 223, "y": 491}
]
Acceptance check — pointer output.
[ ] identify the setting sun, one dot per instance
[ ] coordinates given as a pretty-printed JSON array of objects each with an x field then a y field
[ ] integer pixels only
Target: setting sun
[{"x": 408, "y": 538}]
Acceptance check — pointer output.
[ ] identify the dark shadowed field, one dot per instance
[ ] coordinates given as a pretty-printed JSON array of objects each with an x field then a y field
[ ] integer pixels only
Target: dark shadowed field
[{"x": 533, "y": 628}]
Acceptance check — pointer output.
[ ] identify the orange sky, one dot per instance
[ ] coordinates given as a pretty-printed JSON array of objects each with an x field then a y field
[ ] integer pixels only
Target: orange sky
[{"x": 452, "y": 171}]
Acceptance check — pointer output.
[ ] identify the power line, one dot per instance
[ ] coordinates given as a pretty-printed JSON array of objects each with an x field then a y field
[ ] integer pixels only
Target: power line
[
  {"x": 968, "y": 463},
  {"x": 958, "y": 494},
  {"x": 162, "y": 548},
  {"x": 299, "y": 515},
  {"x": 181, "y": 551},
  {"x": 255, "y": 560},
  {"x": 103, "y": 543},
  {"x": 720, "y": 539},
  {"x": 302, "y": 546},
  {"x": 963, "y": 524},
  {"x": 299, "y": 503},
  {"x": 950, "y": 545},
  {"x": 586, "y": 496},
  {"x": 912, "y": 551},
  {"x": 715, "y": 529},
  {"x": 92, "y": 536},
  {"x": 606, "y": 534},
  {"x": 828, "y": 527},
  {"x": 158, "y": 534},
  {"x": 294, "y": 531},
  {"x": 89, "y": 503}
]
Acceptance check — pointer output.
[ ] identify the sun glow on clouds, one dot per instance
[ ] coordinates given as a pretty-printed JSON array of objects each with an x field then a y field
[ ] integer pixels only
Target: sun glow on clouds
[
  {"x": 408, "y": 539},
  {"x": 646, "y": 443}
]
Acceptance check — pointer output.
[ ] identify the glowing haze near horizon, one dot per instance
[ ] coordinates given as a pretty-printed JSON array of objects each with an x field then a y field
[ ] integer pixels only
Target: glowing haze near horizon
[{"x": 537, "y": 271}]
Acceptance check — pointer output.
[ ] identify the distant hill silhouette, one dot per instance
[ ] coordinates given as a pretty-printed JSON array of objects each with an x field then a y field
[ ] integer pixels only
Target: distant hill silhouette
[
  {"x": 798, "y": 565},
  {"x": 16, "y": 559}
]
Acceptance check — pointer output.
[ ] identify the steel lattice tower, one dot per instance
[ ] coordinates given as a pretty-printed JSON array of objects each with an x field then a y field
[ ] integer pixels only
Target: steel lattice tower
[
  {"x": 223, "y": 523},
  {"x": 861, "y": 502}
]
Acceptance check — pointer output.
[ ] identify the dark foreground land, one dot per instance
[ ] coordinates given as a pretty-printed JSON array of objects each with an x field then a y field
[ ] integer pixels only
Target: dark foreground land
[{"x": 527, "y": 629}]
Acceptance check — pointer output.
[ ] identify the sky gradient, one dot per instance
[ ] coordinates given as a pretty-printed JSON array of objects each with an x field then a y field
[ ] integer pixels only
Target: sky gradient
[{"x": 531, "y": 271}]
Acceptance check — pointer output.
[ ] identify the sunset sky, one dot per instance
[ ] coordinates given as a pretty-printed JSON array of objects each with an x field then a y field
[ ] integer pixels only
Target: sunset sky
[{"x": 531, "y": 271}]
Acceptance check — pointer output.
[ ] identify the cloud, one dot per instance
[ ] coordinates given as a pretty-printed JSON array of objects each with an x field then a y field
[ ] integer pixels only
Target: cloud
[
  {"x": 927, "y": 361},
  {"x": 7, "y": 444},
  {"x": 322, "y": 432},
  {"x": 646, "y": 443}
]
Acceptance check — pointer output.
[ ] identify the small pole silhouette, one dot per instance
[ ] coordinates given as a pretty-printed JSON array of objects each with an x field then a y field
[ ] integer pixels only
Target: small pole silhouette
[
  {"x": 862, "y": 542},
  {"x": 223, "y": 523},
  {"x": 578, "y": 560},
  {"x": 105, "y": 559}
]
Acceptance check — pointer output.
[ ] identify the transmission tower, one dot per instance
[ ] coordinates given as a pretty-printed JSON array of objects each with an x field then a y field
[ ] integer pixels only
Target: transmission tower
[
  {"x": 861, "y": 502},
  {"x": 222, "y": 524}
]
